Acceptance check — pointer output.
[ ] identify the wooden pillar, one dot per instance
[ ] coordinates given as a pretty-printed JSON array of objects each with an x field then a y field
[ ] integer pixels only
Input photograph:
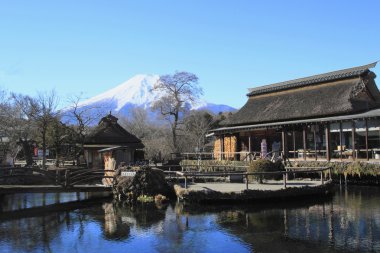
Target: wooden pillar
[
  {"x": 341, "y": 140},
  {"x": 304, "y": 141},
  {"x": 366, "y": 139},
  {"x": 294, "y": 143},
  {"x": 237, "y": 146},
  {"x": 249, "y": 143},
  {"x": 328, "y": 142},
  {"x": 249, "y": 148},
  {"x": 221, "y": 146},
  {"x": 315, "y": 142},
  {"x": 284, "y": 144},
  {"x": 353, "y": 141}
]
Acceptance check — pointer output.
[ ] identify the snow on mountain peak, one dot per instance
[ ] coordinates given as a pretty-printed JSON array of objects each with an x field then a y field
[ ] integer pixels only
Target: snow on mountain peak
[{"x": 137, "y": 90}]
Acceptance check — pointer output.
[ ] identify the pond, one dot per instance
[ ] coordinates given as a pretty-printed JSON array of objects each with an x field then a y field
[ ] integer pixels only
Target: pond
[{"x": 347, "y": 222}]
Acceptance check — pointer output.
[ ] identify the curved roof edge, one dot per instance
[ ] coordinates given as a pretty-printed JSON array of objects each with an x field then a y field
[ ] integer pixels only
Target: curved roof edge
[{"x": 329, "y": 76}]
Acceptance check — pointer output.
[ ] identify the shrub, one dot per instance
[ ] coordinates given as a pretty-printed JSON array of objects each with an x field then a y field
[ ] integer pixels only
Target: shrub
[
  {"x": 145, "y": 198},
  {"x": 263, "y": 165}
]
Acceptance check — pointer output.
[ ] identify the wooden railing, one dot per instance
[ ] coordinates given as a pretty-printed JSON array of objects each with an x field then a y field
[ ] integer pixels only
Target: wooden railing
[
  {"x": 63, "y": 177},
  {"x": 288, "y": 170},
  {"x": 244, "y": 155}
]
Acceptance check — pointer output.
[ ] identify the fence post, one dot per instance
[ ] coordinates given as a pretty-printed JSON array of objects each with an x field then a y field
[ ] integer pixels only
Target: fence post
[
  {"x": 284, "y": 179},
  {"x": 67, "y": 177},
  {"x": 246, "y": 181},
  {"x": 287, "y": 175},
  {"x": 322, "y": 182},
  {"x": 57, "y": 177},
  {"x": 185, "y": 182},
  {"x": 330, "y": 173}
]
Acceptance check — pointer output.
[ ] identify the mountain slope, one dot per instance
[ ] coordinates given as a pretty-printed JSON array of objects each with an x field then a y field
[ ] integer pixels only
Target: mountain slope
[{"x": 137, "y": 92}]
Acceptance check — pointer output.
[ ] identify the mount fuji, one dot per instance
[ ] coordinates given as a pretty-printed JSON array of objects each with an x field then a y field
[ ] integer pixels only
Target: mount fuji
[{"x": 137, "y": 92}]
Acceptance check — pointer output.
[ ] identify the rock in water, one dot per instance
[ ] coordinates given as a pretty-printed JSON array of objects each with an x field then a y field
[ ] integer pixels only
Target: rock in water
[{"x": 147, "y": 181}]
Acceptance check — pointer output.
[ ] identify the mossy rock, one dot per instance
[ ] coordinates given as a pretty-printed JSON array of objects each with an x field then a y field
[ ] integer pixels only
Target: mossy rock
[{"x": 147, "y": 182}]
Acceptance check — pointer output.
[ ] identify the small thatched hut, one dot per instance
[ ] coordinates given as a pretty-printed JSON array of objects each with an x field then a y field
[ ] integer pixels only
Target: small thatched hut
[{"x": 109, "y": 139}]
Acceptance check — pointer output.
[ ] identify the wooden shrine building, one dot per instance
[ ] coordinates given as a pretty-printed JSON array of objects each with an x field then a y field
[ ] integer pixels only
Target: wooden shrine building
[
  {"x": 109, "y": 139},
  {"x": 330, "y": 116}
]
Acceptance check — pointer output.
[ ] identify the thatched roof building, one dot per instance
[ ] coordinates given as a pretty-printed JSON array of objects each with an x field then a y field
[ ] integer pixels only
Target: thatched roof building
[
  {"x": 109, "y": 139},
  {"x": 340, "y": 92},
  {"x": 109, "y": 133},
  {"x": 339, "y": 108}
]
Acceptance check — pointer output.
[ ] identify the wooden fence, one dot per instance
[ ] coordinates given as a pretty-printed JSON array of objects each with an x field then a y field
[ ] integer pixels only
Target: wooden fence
[
  {"x": 288, "y": 170},
  {"x": 63, "y": 177}
]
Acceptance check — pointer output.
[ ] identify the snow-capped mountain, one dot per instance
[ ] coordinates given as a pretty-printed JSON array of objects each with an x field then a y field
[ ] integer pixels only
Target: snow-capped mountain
[{"x": 137, "y": 92}]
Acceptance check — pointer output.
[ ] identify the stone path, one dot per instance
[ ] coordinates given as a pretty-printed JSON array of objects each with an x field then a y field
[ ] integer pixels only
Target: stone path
[{"x": 269, "y": 185}]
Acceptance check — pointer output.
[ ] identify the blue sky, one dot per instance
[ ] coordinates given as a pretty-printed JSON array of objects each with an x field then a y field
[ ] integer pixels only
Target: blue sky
[{"x": 92, "y": 46}]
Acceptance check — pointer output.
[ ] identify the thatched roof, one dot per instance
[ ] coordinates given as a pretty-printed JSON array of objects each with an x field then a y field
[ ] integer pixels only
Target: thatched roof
[
  {"x": 109, "y": 132},
  {"x": 335, "y": 93},
  {"x": 316, "y": 79}
]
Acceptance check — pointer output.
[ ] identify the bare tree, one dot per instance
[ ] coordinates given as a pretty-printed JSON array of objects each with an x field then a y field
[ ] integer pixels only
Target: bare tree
[
  {"x": 60, "y": 139},
  {"x": 196, "y": 125},
  {"x": 40, "y": 111},
  {"x": 15, "y": 130},
  {"x": 137, "y": 123},
  {"x": 177, "y": 91},
  {"x": 154, "y": 136},
  {"x": 83, "y": 117}
]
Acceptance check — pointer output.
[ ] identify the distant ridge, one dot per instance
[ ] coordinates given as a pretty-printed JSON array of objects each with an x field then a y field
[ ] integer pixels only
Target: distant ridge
[{"x": 137, "y": 92}]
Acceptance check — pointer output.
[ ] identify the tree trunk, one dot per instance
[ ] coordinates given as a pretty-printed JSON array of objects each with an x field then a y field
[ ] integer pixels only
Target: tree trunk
[
  {"x": 57, "y": 151},
  {"x": 27, "y": 152},
  {"x": 174, "y": 133},
  {"x": 43, "y": 149}
]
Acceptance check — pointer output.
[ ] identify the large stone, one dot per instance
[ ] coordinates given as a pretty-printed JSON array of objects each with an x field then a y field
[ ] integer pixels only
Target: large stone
[{"x": 147, "y": 181}]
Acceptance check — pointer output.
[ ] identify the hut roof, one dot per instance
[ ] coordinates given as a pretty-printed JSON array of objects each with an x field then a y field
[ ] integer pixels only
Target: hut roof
[
  {"x": 340, "y": 92},
  {"x": 110, "y": 132},
  {"x": 311, "y": 80},
  {"x": 375, "y": 113}
]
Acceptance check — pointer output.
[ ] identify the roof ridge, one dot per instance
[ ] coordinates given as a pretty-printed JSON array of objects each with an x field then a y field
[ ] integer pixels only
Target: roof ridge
[{"x": 328, "y": 76}]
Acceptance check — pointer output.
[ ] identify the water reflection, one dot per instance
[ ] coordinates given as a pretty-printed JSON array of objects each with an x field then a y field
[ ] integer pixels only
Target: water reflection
[
  {"x": 119, "y": 217},
  {"x": 21, "y": 201},
  {"x": 348, "y": 222}
]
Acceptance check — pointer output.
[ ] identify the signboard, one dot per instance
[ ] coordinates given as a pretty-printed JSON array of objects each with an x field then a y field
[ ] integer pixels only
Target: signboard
[
  {"x": 128, "y": 173},
  {"x": 39, "y": 152}
]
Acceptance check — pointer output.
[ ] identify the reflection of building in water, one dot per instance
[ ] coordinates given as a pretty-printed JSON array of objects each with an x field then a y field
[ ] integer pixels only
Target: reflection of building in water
[
  {"x": 114, "y": 227},
  {"x": 343, "y": 225},
  {"x": 110, "y": 225},
  {"x": 119, "y": 219}
]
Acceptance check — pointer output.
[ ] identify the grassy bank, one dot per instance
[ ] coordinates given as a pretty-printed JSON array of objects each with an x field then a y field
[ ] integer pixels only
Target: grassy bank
[{"x": 345, "y": 172}]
